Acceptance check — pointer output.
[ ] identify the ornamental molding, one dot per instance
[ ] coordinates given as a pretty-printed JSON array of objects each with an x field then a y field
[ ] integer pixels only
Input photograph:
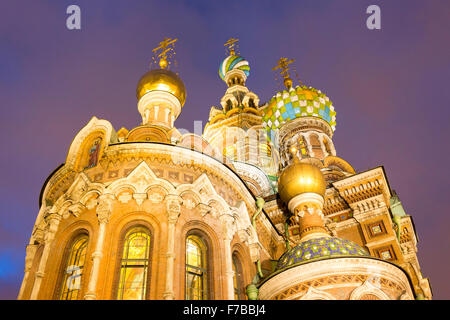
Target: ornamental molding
[
  {"x": 304, "y": 123},
  {"x": 350, "y": 271},
  {"x": 373, "y": 205},
  {"x": 140, "y": 182},
  {"x": 360, "y": 177},
  {"x": 371, "y": 286},
  {"x": 380, "y": 242},
  {"x": 252, "y": 172},
  {"x": 182, "y": 157},
  {"x": 315, "y": 294}
]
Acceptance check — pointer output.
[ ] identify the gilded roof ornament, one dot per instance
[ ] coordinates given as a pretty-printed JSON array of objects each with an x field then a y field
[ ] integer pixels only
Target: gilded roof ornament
[
  {"x": 283, "y": 65},
  {"x": 232, "y": 46},
  {"x": 164, "y": 52}
]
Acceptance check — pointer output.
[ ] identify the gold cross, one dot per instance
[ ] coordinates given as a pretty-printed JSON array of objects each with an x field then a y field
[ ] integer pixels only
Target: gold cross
[
  {"x": 231, "y": 45},
  {"x": 283, "y": 64},
  {"x": 166, "y": 46}
]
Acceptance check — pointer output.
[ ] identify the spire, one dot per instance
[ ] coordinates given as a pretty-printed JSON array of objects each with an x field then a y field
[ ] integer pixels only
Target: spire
[{"x": 283, "y": 65}]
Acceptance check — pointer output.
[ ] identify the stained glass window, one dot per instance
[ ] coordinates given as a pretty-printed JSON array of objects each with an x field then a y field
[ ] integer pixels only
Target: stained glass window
[
  {"x": 74, "y": 268},
  {"x": 237, "y": 279},
  {"x": 196, "y": 273},
  {"x": 134, "y": 265}
]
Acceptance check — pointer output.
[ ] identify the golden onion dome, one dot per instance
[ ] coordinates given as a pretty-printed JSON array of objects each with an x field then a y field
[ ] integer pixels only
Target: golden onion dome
[
  {"x": 161, "y": 80},
  {"x": 298, "y": 178}
]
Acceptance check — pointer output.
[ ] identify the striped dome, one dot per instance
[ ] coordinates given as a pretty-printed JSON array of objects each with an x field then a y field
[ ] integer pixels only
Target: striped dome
[
  {"x": 233, "y": 62},
  {"x": 318, "y": 249},
  {"x": 295, "y": 103}
]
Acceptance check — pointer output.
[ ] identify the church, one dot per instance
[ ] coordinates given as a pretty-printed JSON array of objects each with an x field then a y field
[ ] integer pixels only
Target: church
[{"x": 259, "y": 206}]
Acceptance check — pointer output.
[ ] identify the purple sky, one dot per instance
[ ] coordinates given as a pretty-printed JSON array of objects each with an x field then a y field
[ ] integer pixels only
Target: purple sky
[{"x": 389, "y": 88}]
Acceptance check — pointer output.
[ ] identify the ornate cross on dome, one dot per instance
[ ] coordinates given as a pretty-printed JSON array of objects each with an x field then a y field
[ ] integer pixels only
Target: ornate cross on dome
[
  {"x": 166, "y": 48},
  {"x": 232, "y": 46},
  {"x": 283, "y": 65}
]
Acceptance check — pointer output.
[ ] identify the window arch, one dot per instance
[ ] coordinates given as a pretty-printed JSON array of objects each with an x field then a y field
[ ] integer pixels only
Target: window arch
[
  {"x": 237, "y": 278},
  {"x": 74, "y": 269},
  {"x": 196, "y": 268},
  {"x": 134, "y": 265}
]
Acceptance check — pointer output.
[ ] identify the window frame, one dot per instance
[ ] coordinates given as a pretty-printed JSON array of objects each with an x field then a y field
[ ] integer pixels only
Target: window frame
[
  {"x": 120, "y": 251},
  {"x": 63, "y": 275}
]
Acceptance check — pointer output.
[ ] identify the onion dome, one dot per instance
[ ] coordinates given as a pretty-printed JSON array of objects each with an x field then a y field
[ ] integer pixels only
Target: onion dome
[
  {"x": 298, "y": 178},
  {"x": 233, "y": 62},
  {"x": 319, "y": 249},
  {"x": 161, "y": 80},
  {"x": 297, "y": 102}
]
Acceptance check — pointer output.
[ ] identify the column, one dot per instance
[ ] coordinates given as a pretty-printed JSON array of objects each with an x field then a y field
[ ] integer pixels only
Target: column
[
  {"x": 31, "y": 252},
  {"x": 173, "y": 212},
  {"x": 104, "y": 210},
  {"x": 307, "y": 210},
  {"x": 53, "y": 220},
  {"x": 228, "y": 233},
  {"x": 322, "y": 145}
]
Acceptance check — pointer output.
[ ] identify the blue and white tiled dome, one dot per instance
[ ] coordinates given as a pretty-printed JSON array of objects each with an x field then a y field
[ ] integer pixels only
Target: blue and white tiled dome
[{"x": 318, "y": 249}]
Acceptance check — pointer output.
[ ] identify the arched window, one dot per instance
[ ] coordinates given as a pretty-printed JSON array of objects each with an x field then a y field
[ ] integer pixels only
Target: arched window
[
  {"x": 196, "y": 272},
  {"x": 229, "y": 105},
  {"x": 316, "y": 147},
  {"x": 237, "y": 278},
  {"x": 74, "y": 269},
  {"x": 134, "y": 265}
]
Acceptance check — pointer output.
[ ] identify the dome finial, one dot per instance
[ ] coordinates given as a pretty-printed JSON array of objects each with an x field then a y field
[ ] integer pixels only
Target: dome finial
[
  {"x": 166, "y": 48},
  {"x": 283, "y": 65},
  {"x": 232, "y": 46}
]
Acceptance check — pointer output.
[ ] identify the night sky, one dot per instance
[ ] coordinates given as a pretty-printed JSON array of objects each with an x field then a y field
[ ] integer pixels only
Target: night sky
[{"x": 389, "y": 88}]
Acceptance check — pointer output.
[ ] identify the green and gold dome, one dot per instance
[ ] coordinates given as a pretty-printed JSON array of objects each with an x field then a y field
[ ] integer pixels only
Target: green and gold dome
[{"x": 296, "y": 102}]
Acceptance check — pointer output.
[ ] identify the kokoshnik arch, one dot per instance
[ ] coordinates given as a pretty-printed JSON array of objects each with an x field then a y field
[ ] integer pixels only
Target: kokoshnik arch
[{"x": 258, "y": 207}]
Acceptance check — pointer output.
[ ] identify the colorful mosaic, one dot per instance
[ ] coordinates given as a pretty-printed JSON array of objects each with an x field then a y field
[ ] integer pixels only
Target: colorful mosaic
[
  {"x": 298, "y": 102},
  {"x": 319, "y": 248},
  {"x": 233, "y": 62}
]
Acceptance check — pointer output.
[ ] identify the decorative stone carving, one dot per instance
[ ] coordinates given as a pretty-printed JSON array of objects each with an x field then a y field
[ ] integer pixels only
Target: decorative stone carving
[
  {"x": 370, "y": 287},
  {"x": 317, "y": 294},
  {"x": 140, "y": 197},
  {"x": 228, "y": 225},
  {"x": 173, "y": 205},
  {"x": 204, "y": 209},
  {"x": 125, "y": 197},
  {"x": 104, "y": 208},
  {"x": 76, "y": 209},
  {"x": 156, "y": 197}
]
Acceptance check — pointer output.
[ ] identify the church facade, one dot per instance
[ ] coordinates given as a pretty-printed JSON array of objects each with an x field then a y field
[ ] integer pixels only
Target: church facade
[{"x": 257, "y": 207}]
